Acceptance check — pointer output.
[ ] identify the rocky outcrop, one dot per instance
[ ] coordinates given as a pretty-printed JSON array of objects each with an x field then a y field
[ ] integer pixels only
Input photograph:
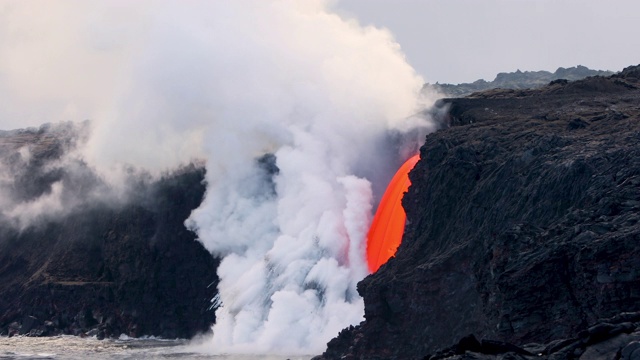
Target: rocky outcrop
[
  {"x": 523, "y": 223},
  {"x": 517, "y": 80},
  {"x": 614, "y": 338},
  {"x": 98, "y": 267}
]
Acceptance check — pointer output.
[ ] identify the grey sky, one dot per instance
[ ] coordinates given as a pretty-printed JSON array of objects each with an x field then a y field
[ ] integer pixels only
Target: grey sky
[{"x": 464, "y": 40}]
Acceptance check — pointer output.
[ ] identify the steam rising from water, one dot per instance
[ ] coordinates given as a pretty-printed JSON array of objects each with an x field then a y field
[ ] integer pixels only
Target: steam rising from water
[
  {"x": 320, "y": 93},
  {"x": 165, "y": 82}
]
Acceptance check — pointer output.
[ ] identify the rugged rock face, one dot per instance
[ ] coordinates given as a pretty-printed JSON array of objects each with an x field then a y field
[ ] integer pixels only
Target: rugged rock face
[
  {"x": 518, "y": 80},
  {"x": 523, "y": 224},
  {"x": 615, "y": 338},
  {"x": 99, "y": 268}
]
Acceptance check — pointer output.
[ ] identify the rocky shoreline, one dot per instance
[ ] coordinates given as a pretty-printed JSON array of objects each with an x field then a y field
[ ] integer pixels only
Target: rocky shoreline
[{"x": 523, "y": 225}]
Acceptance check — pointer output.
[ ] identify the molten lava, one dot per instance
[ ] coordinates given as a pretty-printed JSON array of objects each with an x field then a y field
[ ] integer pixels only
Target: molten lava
[{"x": 385, "y": 233}]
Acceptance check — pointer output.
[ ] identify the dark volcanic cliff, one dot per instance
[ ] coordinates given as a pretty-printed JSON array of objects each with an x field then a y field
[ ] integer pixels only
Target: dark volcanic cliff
[
  {"x": 92, "y": 266},
  {"x": 523, "y": 224}
]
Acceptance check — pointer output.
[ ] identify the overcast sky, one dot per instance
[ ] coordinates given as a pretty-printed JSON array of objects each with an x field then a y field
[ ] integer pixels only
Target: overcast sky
[{"x": 456, "y": 41}]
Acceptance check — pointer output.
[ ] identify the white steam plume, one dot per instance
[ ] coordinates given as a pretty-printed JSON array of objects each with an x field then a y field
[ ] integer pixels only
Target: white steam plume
[
  {"x": 320, "y": 93},
  {"x": 164, "y": 82}
]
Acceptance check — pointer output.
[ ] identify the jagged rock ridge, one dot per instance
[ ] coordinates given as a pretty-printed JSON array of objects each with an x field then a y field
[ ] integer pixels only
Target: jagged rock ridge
[
  {"x": 523, "y": 224},
  {"x": 517, "y": 80}
]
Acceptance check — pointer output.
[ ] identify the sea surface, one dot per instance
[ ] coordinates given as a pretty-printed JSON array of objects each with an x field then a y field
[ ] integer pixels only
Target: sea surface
[{"x": 71, "y": 347}]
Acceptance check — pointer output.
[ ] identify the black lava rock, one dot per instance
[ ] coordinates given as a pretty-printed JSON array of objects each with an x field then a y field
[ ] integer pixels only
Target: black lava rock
[{"x": 522, "y": 227}]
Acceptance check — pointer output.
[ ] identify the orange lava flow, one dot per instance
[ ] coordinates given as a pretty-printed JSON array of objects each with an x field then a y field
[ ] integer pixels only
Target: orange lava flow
[{"x": 385, "y": 233}]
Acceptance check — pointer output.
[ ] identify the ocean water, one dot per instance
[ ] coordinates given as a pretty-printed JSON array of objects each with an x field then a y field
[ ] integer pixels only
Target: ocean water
[{"x": 71, "y": 347}]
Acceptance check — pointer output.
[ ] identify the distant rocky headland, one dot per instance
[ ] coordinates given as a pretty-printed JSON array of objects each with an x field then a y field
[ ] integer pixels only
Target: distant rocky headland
[
  {"x": 516, "y": 80},
  {"x": 93, "y": 265}
]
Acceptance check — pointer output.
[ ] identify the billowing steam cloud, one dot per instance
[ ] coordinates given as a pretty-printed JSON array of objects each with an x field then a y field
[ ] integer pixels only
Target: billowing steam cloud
[
  {"x": 320, "y": 93},
  {"x": 291, "y": 106}
]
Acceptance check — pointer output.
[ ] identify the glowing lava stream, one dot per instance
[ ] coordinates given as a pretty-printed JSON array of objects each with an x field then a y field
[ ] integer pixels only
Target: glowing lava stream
[{"x": 385, "y": 233}]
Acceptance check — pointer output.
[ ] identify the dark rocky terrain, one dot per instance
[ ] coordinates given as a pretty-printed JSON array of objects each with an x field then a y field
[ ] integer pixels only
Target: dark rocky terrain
[
  {"x": 523, "y": 228},
  {"x": 99, "y": 267},
  {"x": 517, "y": 80}
]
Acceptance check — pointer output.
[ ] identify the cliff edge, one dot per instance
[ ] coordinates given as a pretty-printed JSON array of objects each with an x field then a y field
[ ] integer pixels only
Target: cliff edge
[{"x": 522, "y": 224}]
